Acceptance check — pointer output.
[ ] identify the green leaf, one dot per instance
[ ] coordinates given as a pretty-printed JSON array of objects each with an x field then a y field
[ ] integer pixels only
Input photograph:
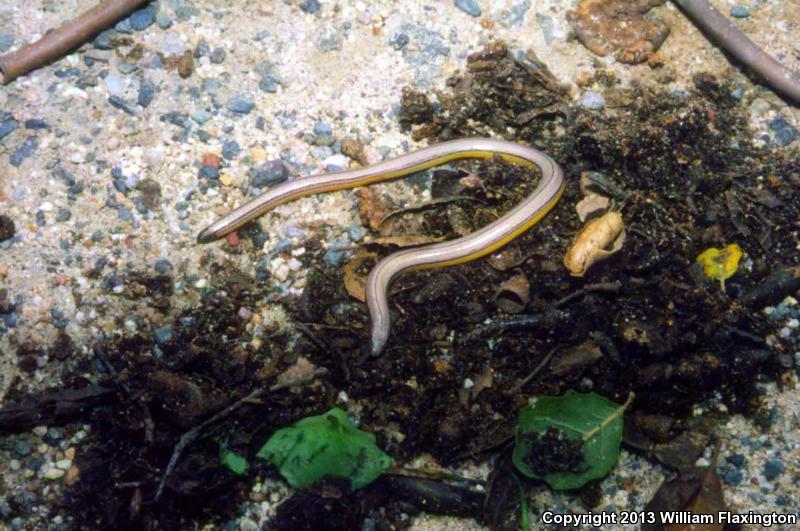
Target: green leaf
[
  {"x": 569, "y": 440},
  {"x": 235, "y": 462},
  {"x": 325, "y": 445}
]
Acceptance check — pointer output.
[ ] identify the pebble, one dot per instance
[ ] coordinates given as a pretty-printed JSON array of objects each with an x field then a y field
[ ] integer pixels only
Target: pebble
[
  {"x": 105, "y": 41},
  {"x": 208, "y": 172},
  {"x": 240, "y": 105},
  {"x": 592, "y": 100},
  {"x": 740, "y": 11},
  {"x": 268, "y": 84},
  {"x": 36, "y": 123},
  {"x": 164, "y": 21},
  {"x": 231, "y": 149},
  {"x": 6, "y": 39},
  {"x": 785, "y": 134},
  {"x": 163, "y": 266},
  {"x": 470, "y": 7},
  {"x": 24, "y": 151},
  {"x": 53, "y": 473},
  {"x": 310, "y": 6},
  {"x": 123, "y": 105},
  {"x": 268, "y": 174},
  {"x": 144, "y": 18},
  {"x": 115, "y": 84},
  {"x": 63, "y": 214},
  {"x": 218, "y": 56},
  {"x": 200, "y": 116},
  {"x": 7, "y": 228},
  {"x": 246, "y": 524},
  {"x": 7, "y": 127},
  {"x": 773, "y": 469},
  {"x": 546, "y": 24},
  {"x": 147, "y": 91},
  {"x": 162, "y": 335},
  {"x": 398, "y": 41}
]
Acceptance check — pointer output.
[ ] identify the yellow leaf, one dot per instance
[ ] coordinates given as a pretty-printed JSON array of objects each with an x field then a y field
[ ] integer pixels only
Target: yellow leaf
[{"x": 721, "y": 264}]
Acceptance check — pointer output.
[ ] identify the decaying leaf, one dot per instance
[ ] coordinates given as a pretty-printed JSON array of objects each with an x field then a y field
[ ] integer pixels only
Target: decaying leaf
[
  {"x": 576, "y": 358},
  {"x": 302, "y": 370},
  {"x": 235, "y": 462},
  {"x": 355, "y": 274},
  {"x": 569, "y": 440},
  {"x": 721, "y": 264},
  {"x": 697, "y": 491},
  {"x": 325, "y": 445},
  {"x": 598, "y": 240}
]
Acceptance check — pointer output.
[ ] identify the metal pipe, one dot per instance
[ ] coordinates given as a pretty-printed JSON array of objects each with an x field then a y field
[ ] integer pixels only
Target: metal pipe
[
  {"x": 58, "y": 42},
  {"x": 723, "y": 32}
]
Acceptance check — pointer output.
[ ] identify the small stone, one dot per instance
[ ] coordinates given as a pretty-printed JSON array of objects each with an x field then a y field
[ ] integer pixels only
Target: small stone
[
  {"x": 268, "y": 84},
  {"x": 246, "y": 524},
  {"x": 240, "y": 105},
  {"x": 7, "y": 228},
  {"x": 162, "y": 335},
  {"x": 144, "y": 18},
  {"x": 147, "y": 91},
  {"x": 212, "y": 160},
  {"x": 22, "y": 448},
  {"x": 740, "y": 11},
  {"x": 186, "y": 64},
  {"x": 784, "y": 133},
  {"x": 773, "y": 469},
  {"x": 268, "y": 174},
  {"x": 203, "y": 49},
  {"x": 231, "y": 150},
  {"x": 164, "y": 21},
  {"x": 226, "y": 179},
  {"x": 208, "y": 172},
  {"x": 592, "y": 100},
  {"x": 163, "y": 266},
  {"x": 736, "y": 459},
  {"x": 24, "y": 151},
  {"x": 105, "y": 40},
  {"x": 123, "y": 105},
  {"x": 398, "y": 41},
  {"x": 63, "y": 214},
  {"x": 40, "y": 431},
  {"x": 310, "y": 6},
  {"x": 218, "y": 56},
  {"x": 6, "y": 39},
  {"x": 322, "y": 128},
  {"x": 333, "y": 257},
  {"x": 200, "y": 116},
  {"x": 53, "y": 473},
  {"x": 36, "y": 123},
  {"x": 7, "y": 127},
  {"x": 470, "y": 7}
]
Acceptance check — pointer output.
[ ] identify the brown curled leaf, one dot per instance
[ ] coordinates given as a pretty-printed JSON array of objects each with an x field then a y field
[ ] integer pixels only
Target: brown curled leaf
[
  {"x": 356, "y": 272},
  {"x": 514, "y": 294},
  {"x": 598, "y": 240},
  {"x": 371, "y": 208}
]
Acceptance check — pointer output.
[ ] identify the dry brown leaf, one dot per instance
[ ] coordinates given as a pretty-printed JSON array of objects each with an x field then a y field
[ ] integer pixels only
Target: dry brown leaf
[
  {"x": 598, "y": 240},
  {"x": 355, "y": 276},
  {"x": 514, "y": 294},
  {"x": 371, "y": 208}
]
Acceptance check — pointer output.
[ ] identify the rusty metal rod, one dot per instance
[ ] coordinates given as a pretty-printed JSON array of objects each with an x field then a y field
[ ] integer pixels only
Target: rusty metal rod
[
  {"x": 723, "y": 32},
  {"x": 58, "y": 42}
]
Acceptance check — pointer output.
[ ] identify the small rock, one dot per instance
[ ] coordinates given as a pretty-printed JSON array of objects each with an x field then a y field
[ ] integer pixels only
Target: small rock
[
  {"x": 268, "y": 174},
  {"x": 212, "y": 160},
  {"x": 115, "y": 84},
  {"x": 200, "y": 116},
  {"x": 164, "y": 21},
  {"x": 322, "y": 128},
  {"x": 231, "y": 150},
  {"x": 53, "y": 473},
  {"x": 732, "y": 476},
  {"x": 36, "y": 123},
  {"x": 203, "y": 49},
  {"x": 123, "y": 105},
  {"x": 218, "y": 56},
  {"x": 163, "y": 266},
  {"x": 268, "y": 84},
  {"x": 333, "y": 257},
  {"x": 147, "y": 91},
  {"x": 63, "y": 214},
  {"x": 208, "y": 172},
  {"x": 740, "y": 11},
  {"x": 186, "y": 65},
  {"x": 6, "y": 39},
  {"x": 784, "y": 133},
  {"x": 592, "y": 100},
  {"x": 310, "y": 6},
  {"x": 7, "y": 228},
  {"x": 105, "y": 40},
  {"x": 162, "y": 335},
  {"x": 240, "y": 105},
  {"x": 7, "y": 127},
  {"x": 144, "y": 18},
  {"x": 773, "y": 469},
  {"x": 24, "y": 151},
  {"x": 470, "y": 7},
  {"x": 398, "y": 41}
]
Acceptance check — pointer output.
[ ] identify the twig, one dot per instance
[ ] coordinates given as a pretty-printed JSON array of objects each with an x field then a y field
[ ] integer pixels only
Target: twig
[
  {"x": 605, "y": 287},
  {"x": 535, "y": 371},
  {"x": 72, "y": 34},
  {"x": 429, "y": 204},
  {"x": 436, "y": 475},
  {"x": 195, "y": 433}
]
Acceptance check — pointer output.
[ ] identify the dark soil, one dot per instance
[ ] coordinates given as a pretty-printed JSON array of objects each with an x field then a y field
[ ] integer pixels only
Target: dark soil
[{"x": 686, "y": 177}]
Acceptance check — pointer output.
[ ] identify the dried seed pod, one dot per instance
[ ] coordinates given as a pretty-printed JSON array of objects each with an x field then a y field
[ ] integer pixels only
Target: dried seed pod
[
  {"x": 599, "y": 239},
  {"x": 514, "y": 294}
]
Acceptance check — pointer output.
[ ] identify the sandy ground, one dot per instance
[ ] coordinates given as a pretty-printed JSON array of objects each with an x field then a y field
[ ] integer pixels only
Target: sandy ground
[{"x": 336, "y": 66}]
